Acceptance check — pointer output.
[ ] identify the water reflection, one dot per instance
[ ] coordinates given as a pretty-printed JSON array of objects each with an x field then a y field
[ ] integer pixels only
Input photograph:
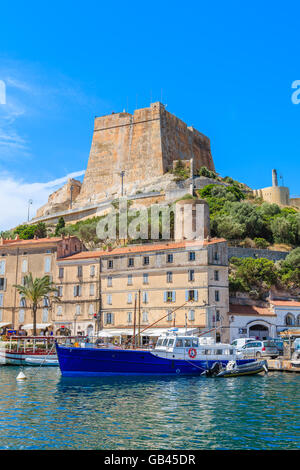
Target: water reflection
[{"x": 49, "y": 411}]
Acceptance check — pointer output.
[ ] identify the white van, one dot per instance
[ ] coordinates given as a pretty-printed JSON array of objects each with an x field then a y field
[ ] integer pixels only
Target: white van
[{"x": 240, "y": 342}]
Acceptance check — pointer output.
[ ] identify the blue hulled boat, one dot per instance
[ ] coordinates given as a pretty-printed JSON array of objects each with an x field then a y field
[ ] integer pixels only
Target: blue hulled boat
[{"x": 173, "y": 354}]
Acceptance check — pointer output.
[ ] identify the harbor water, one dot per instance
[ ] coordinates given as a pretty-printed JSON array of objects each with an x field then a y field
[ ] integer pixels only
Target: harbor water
[{"x": 47, "y": 411}]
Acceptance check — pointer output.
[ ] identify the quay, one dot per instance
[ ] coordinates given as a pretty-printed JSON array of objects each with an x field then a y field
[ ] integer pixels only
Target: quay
[{"x": 282, "y": 365}]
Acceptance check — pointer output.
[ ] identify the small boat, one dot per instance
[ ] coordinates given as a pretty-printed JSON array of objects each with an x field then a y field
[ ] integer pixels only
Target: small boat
[
  {"x": 40, "y": 361},
  {"x": 295, "y": 361},
  {"x": 233, "y": 369},
  {"x": 174, "y": 354}
]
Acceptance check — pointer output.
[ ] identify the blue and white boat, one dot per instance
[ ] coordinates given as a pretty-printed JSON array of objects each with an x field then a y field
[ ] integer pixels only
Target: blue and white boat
[{"x": 173, "y": 354}]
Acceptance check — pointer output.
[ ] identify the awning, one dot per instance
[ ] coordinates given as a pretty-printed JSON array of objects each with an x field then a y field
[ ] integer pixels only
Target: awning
[
  {"x": 4, "y": 324},
  {"x": 109, "y": 333},
  {"x": 39, "y": 326}
]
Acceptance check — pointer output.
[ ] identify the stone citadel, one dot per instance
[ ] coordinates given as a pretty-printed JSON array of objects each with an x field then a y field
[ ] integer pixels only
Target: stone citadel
[
  {"x": 131, "y": 154},
  {"x": 134, "y": 155}
]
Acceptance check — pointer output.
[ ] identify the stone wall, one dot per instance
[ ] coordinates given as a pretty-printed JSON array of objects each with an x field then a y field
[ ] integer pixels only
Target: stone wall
[
  {"x": 240, "y": 252},
  {"x": 143, "y": 145}
]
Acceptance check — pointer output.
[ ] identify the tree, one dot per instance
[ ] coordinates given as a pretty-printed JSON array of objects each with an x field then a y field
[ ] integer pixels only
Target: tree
[
  {"x": 60, "y": 224},
  {"x": 35, "y": 290}
]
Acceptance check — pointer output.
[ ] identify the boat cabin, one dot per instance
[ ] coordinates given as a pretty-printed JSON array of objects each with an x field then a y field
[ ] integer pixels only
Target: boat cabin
[{"x": 176, "y": 346}]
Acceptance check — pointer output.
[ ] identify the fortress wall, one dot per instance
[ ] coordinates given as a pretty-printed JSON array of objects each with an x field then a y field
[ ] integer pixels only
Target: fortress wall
[{"x": 144, "y": 145}]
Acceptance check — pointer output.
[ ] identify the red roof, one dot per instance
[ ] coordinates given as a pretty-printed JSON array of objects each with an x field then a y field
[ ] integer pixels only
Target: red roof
[
  {"x": 32, "y": 241},
  {"x": 249, "y": 310},
  {"x": 285, "y": 303},
  {"x": 141, "y": 249}
]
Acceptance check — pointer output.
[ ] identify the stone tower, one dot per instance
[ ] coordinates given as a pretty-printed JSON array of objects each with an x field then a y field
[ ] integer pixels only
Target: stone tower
[
  {"x": 143, "y": 145},
  {"x": 192, "y": 220}
]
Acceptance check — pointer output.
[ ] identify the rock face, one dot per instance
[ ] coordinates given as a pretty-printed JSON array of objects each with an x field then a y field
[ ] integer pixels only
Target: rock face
[
  {"x": 61, "y": 199},
  {"x": 144, "y": 146}
]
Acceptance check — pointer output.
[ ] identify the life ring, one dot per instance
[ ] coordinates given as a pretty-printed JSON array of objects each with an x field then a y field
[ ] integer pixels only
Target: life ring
[{"x": 192, "y": 353}]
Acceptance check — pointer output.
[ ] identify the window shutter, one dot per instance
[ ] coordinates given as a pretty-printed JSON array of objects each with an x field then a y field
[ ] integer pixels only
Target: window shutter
[
  {"x": 186, "y": 295},
  {"x": 165, "y": 296},
  {"x": 75, "y": 291},
  {"x": 112, "y": 318},
  {"x": 79, "y": 291},
  {"x": 173, "y": 296},
  {"x": 195, "y": 295}
]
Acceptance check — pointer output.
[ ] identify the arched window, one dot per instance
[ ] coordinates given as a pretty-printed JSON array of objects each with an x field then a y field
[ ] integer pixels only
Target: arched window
[
  {"x": 298, "y": 320},
  {"x": 289, "y": 319}
]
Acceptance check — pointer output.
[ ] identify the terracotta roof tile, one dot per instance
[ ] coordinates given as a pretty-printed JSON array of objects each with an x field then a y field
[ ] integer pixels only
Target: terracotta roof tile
[
  {"x": 285, "y": 303},
  {"x": 249, "y": 310},
  {"x": 140, "y": 249}
]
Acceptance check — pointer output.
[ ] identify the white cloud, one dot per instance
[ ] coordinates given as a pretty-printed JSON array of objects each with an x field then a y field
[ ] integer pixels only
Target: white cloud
[{"x": 14, "y": 196}]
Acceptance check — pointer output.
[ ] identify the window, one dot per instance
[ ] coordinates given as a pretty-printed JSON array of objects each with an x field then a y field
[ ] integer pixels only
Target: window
[
  {"x": 24, "y": 266},
  {"x": 59, "y": 311},
  {"x": 169, "y": 296},
  {"x": 129, "y": 280},
  {"x": 145, "y": 278},
  {"x": 130, "y": 262},
  {"x": 169, "y": 317},
  {"x": 1, "y": 315},
  {"x": 216, "y": 275},
  {"x": 109, "y": 281},
  {"x": 169, "y": 276},
  {"x": 218, "y": 317},
  {"x": 110, "y": 264},
  {"x": 179, "y": 343},
  {"x": 216, "y": 256},
  {"x": 129, "y": 298},
  {"x": 77, "y": 291},
  {"x": 129, "y": 317},
  {"x": 79, "y": 271},
  {"x": 109, "y": 318},
  {"x": 61, "y": 273},
  {"x": 191, "y": 295},
  {"x": 109, "y": 299},
  {"x": 145, "y": 316},
  {"x": 92, "y": 271},
  {"x": 191, "y": 275},
  {"x": 188, "y": 343},
  {"x": 22, "y": 301},
  {"x": 46, "y": 302},
  {"x": 91, "y": 309},
  {"x": 170, "y": 258},
  {"x": 45, "y": 315},
  {"x": 92, "y": 289},
  {"x": 217, "y": 296},
  {"x": 2, "y": 267},
  {"x": 2, "y": 283},
  {"x": 289, "y": 319},
  {"x": 77, "y": 310},
  {"x": 146, "y": 260},
  {"x": 145, "y": 297},
  {"x": 192, "y": 256},
  {"x": 47, "y": 264},
  {"x": 1, "y": 300},
  {"x": 21, "y": 316},
  {"x": 191, "y": 315}
]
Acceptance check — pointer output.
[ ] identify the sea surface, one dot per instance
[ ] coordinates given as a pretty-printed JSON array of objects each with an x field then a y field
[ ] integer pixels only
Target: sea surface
[{"x": 50, "y": 412}]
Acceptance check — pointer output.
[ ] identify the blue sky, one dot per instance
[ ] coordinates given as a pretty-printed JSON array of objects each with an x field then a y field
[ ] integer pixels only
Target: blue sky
[{"x": 224, "y": 67}]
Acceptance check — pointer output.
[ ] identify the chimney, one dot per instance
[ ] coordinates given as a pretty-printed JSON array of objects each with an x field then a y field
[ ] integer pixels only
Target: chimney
[{"x": 274, "y": 178}]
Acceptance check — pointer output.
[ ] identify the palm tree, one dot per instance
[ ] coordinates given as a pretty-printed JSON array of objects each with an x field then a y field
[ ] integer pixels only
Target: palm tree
[{"x": 35, "y": 290}]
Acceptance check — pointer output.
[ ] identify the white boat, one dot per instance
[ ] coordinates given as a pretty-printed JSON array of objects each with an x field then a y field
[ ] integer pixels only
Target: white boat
[{"x": 40, "y": 361}]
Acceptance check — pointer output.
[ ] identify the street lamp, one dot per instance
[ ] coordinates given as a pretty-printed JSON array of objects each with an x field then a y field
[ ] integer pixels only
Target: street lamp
[{"x": 30, "y": 201}]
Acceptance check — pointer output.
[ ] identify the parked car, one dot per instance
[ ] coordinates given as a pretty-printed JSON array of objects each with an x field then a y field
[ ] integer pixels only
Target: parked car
[
  {"x": 240, "y": 342},
  {"x": 259, "y": 349},
  {"x": 278, "y": 343}
]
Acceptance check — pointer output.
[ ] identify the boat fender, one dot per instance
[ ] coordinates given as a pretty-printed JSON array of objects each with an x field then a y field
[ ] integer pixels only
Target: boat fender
[{"x": 192, "y": 353}]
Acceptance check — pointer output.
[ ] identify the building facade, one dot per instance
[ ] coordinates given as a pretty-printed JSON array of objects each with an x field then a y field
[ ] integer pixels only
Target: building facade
[
  {"x": 18, "y": 258},
  {"x": 182, "y": 284}
]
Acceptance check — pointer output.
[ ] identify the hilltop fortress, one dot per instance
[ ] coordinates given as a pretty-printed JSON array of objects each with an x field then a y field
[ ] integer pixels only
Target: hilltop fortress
[{"x": 131, "y": 154}]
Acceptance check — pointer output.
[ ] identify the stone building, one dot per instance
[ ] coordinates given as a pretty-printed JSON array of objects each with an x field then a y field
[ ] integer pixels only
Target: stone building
[
  {"x": 17, "y": 259},
  {"x": 263, "y": 322},
  {"x": 144, "y": 284},
  {"x": 125, "y": 148},
  {"x": 276, "y": 194}
]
